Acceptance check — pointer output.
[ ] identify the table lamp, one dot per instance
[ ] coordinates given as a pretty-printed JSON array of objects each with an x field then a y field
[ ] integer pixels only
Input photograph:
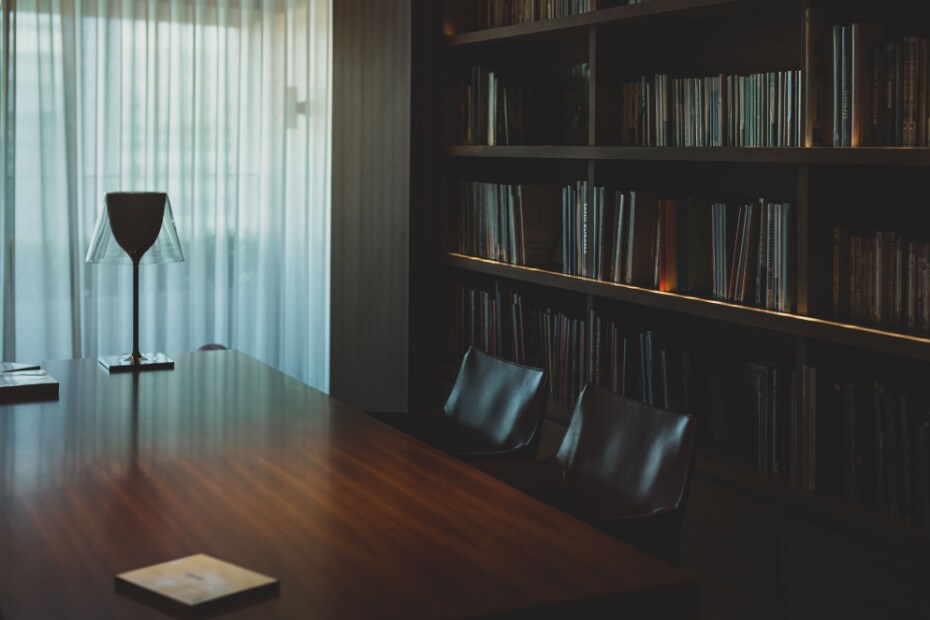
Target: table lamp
[{"x": 135, "y": 227}]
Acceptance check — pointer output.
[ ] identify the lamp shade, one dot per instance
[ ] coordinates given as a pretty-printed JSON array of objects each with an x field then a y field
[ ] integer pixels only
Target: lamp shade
[{"x": 135, "y": 226}]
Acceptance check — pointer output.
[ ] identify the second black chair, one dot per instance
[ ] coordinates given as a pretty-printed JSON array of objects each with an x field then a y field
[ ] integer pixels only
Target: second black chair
[
  {"x": 623, "y": 467},
  {"x": 494, "y": 411}
]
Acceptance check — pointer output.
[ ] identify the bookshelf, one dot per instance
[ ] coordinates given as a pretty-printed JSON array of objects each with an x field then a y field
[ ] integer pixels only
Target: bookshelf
[{"x": 773, "y": 532}]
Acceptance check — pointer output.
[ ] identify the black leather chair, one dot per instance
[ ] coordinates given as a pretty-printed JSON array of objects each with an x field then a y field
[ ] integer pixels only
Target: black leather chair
[
  {"x": 623, "y": 466},
  {"x": 494, "y": 411},
  {"x": 212, "y": 347}
]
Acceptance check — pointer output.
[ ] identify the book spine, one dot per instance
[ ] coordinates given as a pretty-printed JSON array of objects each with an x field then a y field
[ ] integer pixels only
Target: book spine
[
  {"x": 584, "y": 228},
  {"x": 846, "y": 85}
]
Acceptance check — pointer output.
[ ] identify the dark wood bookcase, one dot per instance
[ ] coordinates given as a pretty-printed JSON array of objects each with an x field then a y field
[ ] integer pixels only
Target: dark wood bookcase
[{"x": 763, "y": 544}]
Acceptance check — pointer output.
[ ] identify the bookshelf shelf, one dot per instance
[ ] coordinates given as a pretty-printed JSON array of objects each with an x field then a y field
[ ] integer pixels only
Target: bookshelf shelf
[
  {"x": 523, "y": 152},
  {"x": 859, "y": 156},
  {"x": 869, "y": 338},
  {"x": 857, "y": 221},
  {"x": 525, "y": 31},
  {"x": 655, "y": 10}
]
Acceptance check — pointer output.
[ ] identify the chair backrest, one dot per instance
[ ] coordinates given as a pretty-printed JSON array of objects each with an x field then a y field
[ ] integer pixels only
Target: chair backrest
[
  {"x": 622, "y": 458},
  {"x": 212, "y": 347},
  {"x": 496, "y": 405}
]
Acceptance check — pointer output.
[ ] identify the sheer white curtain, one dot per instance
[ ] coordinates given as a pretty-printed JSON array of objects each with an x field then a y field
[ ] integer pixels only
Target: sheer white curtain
[{"x": 224, "y": 104}]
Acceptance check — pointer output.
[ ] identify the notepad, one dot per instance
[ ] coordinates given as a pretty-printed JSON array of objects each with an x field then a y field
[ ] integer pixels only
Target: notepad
[
  {"x": 22, "y": 385},
  {"x": 197, "y": 580}
]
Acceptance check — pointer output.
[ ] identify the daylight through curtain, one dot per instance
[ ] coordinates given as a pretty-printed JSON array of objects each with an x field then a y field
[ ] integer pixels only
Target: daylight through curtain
[{"x": 224, "y": 104}]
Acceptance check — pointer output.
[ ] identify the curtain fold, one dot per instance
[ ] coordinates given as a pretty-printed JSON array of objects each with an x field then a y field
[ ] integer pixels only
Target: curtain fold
[
  {"x": 224, "y": 104},
  {"x": 7, "y": 216}
]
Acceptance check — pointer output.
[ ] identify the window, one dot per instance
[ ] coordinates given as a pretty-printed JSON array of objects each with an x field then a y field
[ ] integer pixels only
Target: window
[{"x": 223, "y": 104}]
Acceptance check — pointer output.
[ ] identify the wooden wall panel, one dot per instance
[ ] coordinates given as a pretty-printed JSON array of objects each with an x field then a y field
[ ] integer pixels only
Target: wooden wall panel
[
  {"x": 830, "y": 574},
  {"x": 371, "y": 203},
  {"x": 729, "y": 542},
  {"x": 425, "y": 194}
]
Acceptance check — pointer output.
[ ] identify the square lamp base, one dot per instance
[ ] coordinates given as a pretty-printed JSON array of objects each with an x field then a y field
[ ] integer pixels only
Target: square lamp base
[{"x": 150, "y": 361}]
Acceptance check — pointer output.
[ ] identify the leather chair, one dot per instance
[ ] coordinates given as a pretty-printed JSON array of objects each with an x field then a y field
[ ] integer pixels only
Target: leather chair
[
  {"x": 623, "y": 466},
  {"x": 495, "y": 411},
  {"x": 212, "y": 347}
]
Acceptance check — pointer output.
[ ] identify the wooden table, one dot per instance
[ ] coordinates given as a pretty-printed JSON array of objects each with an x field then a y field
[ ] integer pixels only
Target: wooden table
[{"x": 226, "y": 456}]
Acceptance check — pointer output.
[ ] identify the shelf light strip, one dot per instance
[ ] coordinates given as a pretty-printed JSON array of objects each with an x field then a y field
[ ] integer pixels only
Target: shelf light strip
[{"x": 859, "y": 329}]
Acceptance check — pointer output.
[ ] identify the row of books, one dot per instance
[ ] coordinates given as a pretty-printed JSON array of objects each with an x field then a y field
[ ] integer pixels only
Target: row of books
[
  {"x": 562, "y": 353},
  {"x": 611, "y": 240},
  {"x": 875, "y": 442},
  {"x": 865, "y": 440},
  {"x": 834, "y": 432},
  {"x": 880, "y": 88},
  {"x": 738, "y": 253},
  {"x": 508, "y": 223},
  {"x": 629, "y": 360},
  {"x": 498, "y": 323},
  {"x": 574, "y": 348},
  {"x": 575, "y": 106},
  {"x": 495, "y": 13},
  {"x": 490, "y": 320},
  {"x": 760, "y": 109},
  {"x": 743, "y": 253},
  {"x": 754, "y": 257},
  {"x": 653, "y": 367},
  {"x": 881, "y": 276},
  {"x": 577, "y": 218},
  {"x": 768, "y": 391},
  {"x": 574, "y": 351},
  {"x": 500, "y": 108},
  {"x": 492, "y": 108},
  {"x": 682, "y": 246},
  {"x": 635, "y": 238}
]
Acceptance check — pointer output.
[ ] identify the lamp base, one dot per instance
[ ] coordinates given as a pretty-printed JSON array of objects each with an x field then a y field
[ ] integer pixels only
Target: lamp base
[{"x": 149, "y": 361}]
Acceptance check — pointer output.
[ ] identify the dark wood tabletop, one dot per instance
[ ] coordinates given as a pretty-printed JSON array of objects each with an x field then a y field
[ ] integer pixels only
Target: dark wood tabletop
[{"x": 226, "y": 456}]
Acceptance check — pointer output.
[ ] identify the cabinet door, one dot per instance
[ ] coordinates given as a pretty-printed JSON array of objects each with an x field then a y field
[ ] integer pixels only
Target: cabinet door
[
  {"x": 729, "y": 543},
  {"x": 830, "y": 574}
]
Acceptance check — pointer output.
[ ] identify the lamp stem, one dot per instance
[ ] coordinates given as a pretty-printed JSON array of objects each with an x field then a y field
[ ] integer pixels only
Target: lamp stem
[{"x": 136, "y": 357}]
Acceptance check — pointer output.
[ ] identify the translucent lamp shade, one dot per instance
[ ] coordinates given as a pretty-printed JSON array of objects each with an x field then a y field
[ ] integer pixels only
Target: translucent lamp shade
[{"x": 135, "y": 226}]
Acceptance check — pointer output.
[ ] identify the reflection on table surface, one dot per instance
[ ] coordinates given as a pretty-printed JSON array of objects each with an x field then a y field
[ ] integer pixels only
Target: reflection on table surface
[{"x": 226, "y": 456}]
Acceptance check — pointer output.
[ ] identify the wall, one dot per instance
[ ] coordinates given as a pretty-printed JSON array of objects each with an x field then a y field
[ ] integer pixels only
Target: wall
[{"x": 371, "y": 203}]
